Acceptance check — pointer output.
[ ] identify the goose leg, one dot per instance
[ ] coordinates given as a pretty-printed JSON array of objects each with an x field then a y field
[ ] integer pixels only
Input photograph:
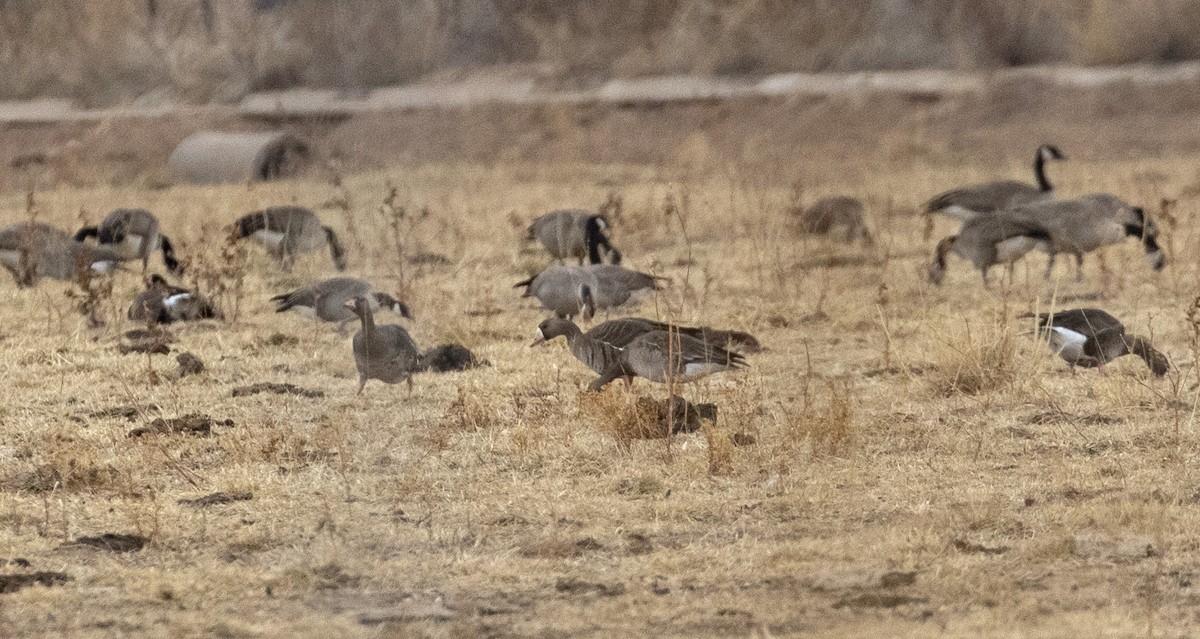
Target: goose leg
[
  {"x": 1079, "y": 267},
  {"x": 362, "y": 381},
  {"x": 410, "y": 384},
  {"x": 1050, "y": 265}
]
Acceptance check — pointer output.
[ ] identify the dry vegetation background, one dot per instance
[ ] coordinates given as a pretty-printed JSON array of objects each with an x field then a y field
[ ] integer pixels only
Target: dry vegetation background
[
  {"x": 104, "y": 52},
  {"x": 903, "y": 457}
]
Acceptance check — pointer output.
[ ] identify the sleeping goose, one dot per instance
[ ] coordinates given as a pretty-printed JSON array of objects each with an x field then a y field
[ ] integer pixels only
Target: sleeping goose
[
  {"x": 1091, "y": 338},
  {"x": 597, "y": 347},
  {"x": 162, "y": 303},
  {"x": 31, "y": 250},
  {"x": 132, "y": 234},
  {"x": 1089, "y": 222},
  {"x": 986, "y": 241},
  {"x": 970, "y": 201},
  {"x": 326, "y": 300},
  {"x": 574, "y": 233},
  {"x": 562, "y": 289},
  {"x": 386, "y": 352},
  {"x": 287, "y": 231},
  {"x": 838, "y": 211}
]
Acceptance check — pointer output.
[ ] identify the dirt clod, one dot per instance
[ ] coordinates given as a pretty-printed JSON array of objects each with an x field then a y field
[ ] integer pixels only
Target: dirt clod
[
  {"x": 580, "y": 587},
  {"x": 188, "y": 365},
  {"x": 15, "y": 582},
  {"x": 112, "y": 542},
  {"x": 193, "y": 423},
  {"x": 215, "y": 499},
  {"x": 278, "y": 389}
]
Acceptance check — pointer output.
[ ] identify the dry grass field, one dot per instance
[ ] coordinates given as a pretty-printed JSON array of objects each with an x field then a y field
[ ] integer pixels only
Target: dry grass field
[{"x": 903, "y": 460}]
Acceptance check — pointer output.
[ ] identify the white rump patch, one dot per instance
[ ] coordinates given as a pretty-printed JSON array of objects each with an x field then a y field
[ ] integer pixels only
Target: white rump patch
[
  {"x": 700, "y": 369},
  {"x": 961, "y": 212},
  {"x": 1067, "y": 343},
  {"x": 1014, "y": 248}
]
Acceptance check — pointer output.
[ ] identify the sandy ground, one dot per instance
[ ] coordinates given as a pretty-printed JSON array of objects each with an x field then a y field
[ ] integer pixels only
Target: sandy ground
[{"x": 903, "y": 459}]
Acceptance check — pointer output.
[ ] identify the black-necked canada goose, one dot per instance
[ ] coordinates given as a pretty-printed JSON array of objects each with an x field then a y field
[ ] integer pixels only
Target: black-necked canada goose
[
  {"x": 986, "y": 241},
  {"x": 669, "y": 357},
  {"x": 567, "y": 290},
  {"x": 31, "y": 250},
  {"x": 326, "y": 300},
  {"x": 574, "y": 233},
  {"x": 601, "y": 348},
  {"x": 838, "y": 211},
  {"x": 1091, "y": 338},
  {"x": 969, "y": 201},
  {"x": 162, "y": 303},
  {"x": 132, "y": 234},
  {"x": 386, "y": 352},
  {"x": 1089, "y": 222},
  {"x": 287, "y": 231}
]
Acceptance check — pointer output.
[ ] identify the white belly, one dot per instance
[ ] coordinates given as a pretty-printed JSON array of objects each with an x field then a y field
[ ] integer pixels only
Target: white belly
[
  {"x": 104, "y": 266},
  {"x": 1014, "y": 248},
  {"x": 270, "y": 239},
  {"x": 700, "y": 369}
]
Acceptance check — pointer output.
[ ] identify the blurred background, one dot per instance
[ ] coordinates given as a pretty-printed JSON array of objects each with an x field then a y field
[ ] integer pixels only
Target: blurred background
[{"x": 108, "y": 52}]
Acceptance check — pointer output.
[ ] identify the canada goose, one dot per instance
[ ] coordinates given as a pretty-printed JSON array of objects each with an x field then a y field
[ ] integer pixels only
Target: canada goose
[
  {"x": 574, "y": 233},
  {"x": 162, "y": 303},
  {"x": 132, "y": 234},
  {"x": 986, "y": 241},
  {"x": 287, "y": 231},
  {"x": 326, "y": 300},
  {"x": 564, "y": 289},
  {"x": 828, "y": 213},
  {"x": 969, "y": 201},
  {"x": 31, "y": 250},
  {"x": 1090, "y": 222},
  {"x": 386, "y": 353},
  {"x": 1091, "y": 338},
  {"x": 669, "y": 357},
  {"x": 601, "y": 348}
]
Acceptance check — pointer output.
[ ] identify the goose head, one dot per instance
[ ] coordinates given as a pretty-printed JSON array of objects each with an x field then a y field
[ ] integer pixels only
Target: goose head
[
  {"x": 552, "y": 328},
  {"x": 392, "y": 304},
  {"x": 1049, "y": 152}
]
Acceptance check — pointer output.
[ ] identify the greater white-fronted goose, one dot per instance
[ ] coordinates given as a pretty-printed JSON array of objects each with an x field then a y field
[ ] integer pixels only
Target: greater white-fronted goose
[
  {"x": 133, "y": 234},
  {"x": 1089, "y": 222},
  {"x": 326, "y": 300},
  {"x": 162, "y": 303},
  {"x": 1091, "y": 338},
  {"x": 565, "y": 290},
  {"x": 32, "y": 250},
  {"x": 834, "y": 212},
  {"x": 574, "y": 233},
  {"x": 669, "y": 357},
  {"x": 287, "y": 231},
  {"x": 969, "y": 201},
  {"x": 986, "y": 241},
  {"x": 386, "y": 352},
  {"x": 601, "y": 347}
]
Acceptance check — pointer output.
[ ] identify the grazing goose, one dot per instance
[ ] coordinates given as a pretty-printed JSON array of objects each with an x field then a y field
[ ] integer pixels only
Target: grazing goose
[
  {"x": 828, "y": 213},
  {"x": 669, "y": 357},
  {"x": 574, "y": 233},
  {"x": 969, "y": 201},
  {"x": 566, "y": 290},
  {"x": 132, "y": 234},
  {"x": 1090, "y": 222},
  {"x": 986, "y": 241},
  {"x": 326, "y": 300},
  {"x": 1091, "y": 338},
  {"x": 385, "y": 352},
  {"x": 287, "y": 231},
  {"x": 162, "y": 303},
  {"x": 31, "y": 250},
  {"x": 601, "y": 348}
]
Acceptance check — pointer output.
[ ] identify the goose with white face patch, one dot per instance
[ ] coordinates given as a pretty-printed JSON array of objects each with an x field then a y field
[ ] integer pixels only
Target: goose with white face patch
[
  {"x": 31, "y": 250},
  {"x": 132, "y": 234},
  {"x": 287, "y": 231},
  {"x": 574, "y": 233},
  {"x": 1090, "y": 222},
  {"x": 326, "y": 300},
  {"x": 987, "y": 241},
  {"x": 162, "y": 303},
  {"x": 968, "y": 202},
  {"x": 1091, "y": 338}
]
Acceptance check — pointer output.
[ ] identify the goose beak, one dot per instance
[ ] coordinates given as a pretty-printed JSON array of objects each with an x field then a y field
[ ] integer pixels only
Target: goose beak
[
  {"x": 349, "y": 304},
  {"x": 540, "y": 339}
]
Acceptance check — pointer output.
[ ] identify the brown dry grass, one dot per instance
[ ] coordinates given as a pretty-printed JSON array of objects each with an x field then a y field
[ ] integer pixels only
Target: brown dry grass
[
  {"x": 903, "y": 457},
  {"x": 106, "y": 52}
]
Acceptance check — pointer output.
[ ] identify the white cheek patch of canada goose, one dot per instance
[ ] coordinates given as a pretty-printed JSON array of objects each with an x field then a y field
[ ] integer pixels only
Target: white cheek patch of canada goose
[
  {"x": 1067, "y": 342},
  {"x": 272, "y": 239},
  {"x": 173, "y": 301}
]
